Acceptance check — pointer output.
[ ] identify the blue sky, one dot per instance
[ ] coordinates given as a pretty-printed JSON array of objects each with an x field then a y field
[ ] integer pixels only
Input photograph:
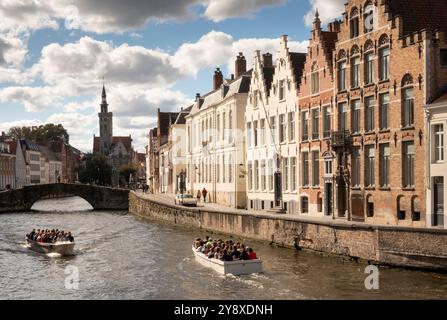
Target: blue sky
[{"x": 152, "y": 54}]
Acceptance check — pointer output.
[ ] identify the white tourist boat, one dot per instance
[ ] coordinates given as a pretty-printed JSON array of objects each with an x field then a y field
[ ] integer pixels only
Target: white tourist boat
[
  {"x": 64, "y": 248},
  {"x": 229, "y": 267}
]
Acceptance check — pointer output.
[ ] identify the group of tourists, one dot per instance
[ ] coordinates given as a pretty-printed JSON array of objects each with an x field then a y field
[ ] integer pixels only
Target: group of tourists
[
  {"x": 225, "y": 251},
  {"x": 203, "y": 194},
  {"x": 50, "y": 236}
]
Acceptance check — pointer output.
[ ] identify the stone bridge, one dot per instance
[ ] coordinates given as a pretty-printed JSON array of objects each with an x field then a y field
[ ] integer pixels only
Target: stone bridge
[{"x": 100, "y": 198}]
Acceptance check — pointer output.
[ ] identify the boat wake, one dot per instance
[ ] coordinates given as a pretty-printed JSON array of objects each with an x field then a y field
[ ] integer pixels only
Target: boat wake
[
  {"x": 53, "y": 255},
  {"x": 244, "y": 280}
]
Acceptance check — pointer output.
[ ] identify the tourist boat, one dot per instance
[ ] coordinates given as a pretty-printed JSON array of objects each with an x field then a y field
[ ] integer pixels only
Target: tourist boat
[
  {"x": 63, "y": 248},
  {"x": 236, "y": 268}
]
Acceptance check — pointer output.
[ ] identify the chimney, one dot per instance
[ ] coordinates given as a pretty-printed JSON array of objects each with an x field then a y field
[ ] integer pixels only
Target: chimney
[
  {"x": 267, "y": 60},
  {"x": 197, "y": 96},
  {"x": 241, "y": 65},
  {"x": 334, "y": 26},
  {"x": 217, "y": 79}
]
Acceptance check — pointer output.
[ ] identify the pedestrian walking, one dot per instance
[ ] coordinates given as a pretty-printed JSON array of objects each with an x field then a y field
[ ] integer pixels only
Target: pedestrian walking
[
  {"x": 199, "y": 195},
  {"x": 204, "y": 193}
]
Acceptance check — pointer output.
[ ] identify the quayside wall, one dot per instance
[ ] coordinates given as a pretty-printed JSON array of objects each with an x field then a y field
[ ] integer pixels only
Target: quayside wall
[{"x": 386, "y": 245}]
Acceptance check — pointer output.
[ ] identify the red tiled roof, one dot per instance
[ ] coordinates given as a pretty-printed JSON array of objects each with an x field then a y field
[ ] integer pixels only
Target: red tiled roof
[{"x": 126, "y": 141}]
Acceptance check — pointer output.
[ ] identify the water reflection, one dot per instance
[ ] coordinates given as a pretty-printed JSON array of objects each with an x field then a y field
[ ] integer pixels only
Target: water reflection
[{"x": 120, "y": 256}]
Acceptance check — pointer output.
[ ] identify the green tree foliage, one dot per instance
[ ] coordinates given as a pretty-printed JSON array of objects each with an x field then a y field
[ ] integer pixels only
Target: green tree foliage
[
  {"x": 127, "y": 170},
  {"x": 96, "y": 170},
  {"x": 45, "y": 132}
]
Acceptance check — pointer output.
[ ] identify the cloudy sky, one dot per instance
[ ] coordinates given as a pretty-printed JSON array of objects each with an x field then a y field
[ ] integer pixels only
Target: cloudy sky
[{"x": 152, "y": 54}]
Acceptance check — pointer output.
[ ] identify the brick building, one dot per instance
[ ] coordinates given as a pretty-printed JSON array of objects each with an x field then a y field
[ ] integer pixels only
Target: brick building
[
  {"x": 316, "y": 105},
  {"x": 384, "y": 62}
]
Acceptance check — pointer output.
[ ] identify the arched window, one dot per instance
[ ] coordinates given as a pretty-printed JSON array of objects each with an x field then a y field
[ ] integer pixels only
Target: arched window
[
  {"x": 315, "y": 84},
  {"x": 369, "y": 62},
  {"x": 407, "y": 101},
  {"x": 368, "y": 17},
  {"x": 342, "y": 70},
  {"x": 354, "y": 22},
  {"x": 384, "y": 58},
  {"x": 355, "y": 66},
  {"x": 415, "y": 209}
]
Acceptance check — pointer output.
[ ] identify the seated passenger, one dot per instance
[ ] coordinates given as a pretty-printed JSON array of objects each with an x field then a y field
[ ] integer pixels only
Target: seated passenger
[
  {"x": 251, "y": 254},
  {"x": 226, "y": 256}
]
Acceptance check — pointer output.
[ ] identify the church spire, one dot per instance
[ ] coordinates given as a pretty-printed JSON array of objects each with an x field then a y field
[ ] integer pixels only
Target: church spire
[{"x": 104, "y": 95}]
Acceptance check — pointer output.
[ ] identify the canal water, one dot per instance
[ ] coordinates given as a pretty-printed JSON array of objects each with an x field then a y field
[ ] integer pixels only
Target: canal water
[{"x": 119, "y": 256}]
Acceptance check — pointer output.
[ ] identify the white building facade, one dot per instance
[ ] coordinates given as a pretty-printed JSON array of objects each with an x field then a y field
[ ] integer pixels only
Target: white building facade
[
  {"x": 216, "y": 140},
  {"x": 272, "y": 130}
]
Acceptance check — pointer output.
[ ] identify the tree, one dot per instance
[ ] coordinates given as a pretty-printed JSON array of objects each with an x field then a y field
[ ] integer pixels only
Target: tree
[
  {"x": 47, "y": 132},
  {"x": 96, "y": 170},
  {"x": 127, "y": 170}
]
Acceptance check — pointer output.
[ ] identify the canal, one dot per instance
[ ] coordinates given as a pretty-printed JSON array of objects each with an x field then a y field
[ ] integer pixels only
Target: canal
[{"x": 119, "y": 256}]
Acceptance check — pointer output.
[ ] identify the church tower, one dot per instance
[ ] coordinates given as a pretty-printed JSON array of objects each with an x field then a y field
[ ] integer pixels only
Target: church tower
[{"x": 105, "y": 124}]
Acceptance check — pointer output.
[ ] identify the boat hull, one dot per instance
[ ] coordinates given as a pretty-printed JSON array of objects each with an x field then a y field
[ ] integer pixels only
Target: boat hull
[
  {"x": 229, "y": 267},
  {"x": 64, "y": 248}
]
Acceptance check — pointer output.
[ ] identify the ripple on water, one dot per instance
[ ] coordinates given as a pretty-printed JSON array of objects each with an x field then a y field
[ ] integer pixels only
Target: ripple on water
[{"x": 122, "y": 257}]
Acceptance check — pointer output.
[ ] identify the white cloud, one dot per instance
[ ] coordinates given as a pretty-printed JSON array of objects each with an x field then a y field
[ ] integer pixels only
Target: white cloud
[
  {"x": 34, "y": 99},
  {"x": 218, "y": 10},
  {"x": 328, "y": 10},
  {"x": 105, "y": 16}
]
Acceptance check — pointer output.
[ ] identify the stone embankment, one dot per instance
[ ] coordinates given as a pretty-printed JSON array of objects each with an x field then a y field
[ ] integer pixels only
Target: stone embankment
[{"x": 386, "y": 245}]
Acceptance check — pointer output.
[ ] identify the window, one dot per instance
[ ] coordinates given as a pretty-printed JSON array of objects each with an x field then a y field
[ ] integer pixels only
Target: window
[
  {"x": 255, "y": 99},
  {"x": 256, "y": 175},
  {"x": 249, "y": 135},
  {"x": 250, "y": 176},
  {"x": 326, "y": 122},
  {"x": 439, "y": 142},
  {"x": 281, "y": 90},
  {"x": 355, "y": 72},
  {"x": 355, "y": 180},
  {"x": 384, "y": 111},
  {"x": 293, "y": 185},
  {"x": 305, "y": 125},
  {"x": 369, "y": 207},
  {"x": 328, "y": 167},
  {"x": 230, "y": 125},
  {"x": 408, "y": 164},
  {"x": 230, "y": 170},
  {"x": 218, "y": 171},
  {"x": 273, "y": 131},
  {"x": 270, "y": 174},
  {"x": 262, "y": 132},
  {"x": 282, "y": 128},
  {"x": 315, "y": 168},
  {"x": 369, "y": 68},
  {"x": 286, "y": 174},
  {"x": 305, "y": 169},
  {"x": 291, "y": 126},
  {"x": 369, "y": 114},
  {"x": 369, "y": 166},
  {"x": 384, "y": 64},
  {"x": 355, "y": 116},
  {"x": 342, "y": 116},
  {"x": 315, "y": 124},
  {"x": 304, "y": 205},
  {"x": 354, "y": 22},
  {"x": 263, "y": 176},
  {"x": 255, "y": 132},
  {"x": 369, "y": 18},
  {"x": 315, "y": 84},
  {"x": 384, "y": 164},
  {"x": 223, "y": 169},
  {"x": 342, "y": 76},
  {"x": 443, "y": 54},
  {"x": 407, "y": 108}
]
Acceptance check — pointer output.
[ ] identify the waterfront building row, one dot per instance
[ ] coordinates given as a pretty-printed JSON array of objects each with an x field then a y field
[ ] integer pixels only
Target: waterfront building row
[{"x": 352, "y": 129}]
